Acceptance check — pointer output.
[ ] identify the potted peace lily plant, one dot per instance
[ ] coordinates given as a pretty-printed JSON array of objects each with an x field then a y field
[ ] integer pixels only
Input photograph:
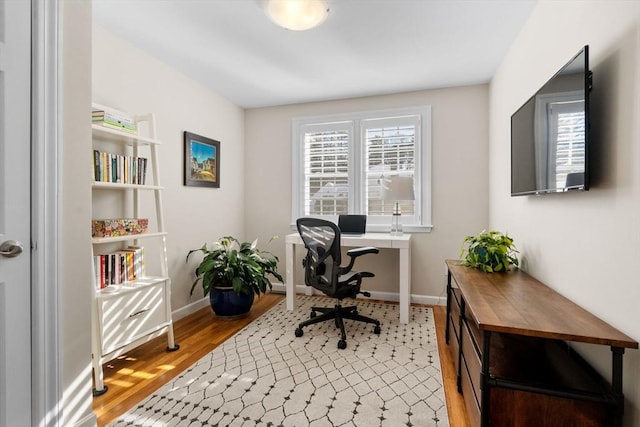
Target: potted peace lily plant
[
  {"x": 232, "y": 273},
  {"x": 489, "y": 251}
]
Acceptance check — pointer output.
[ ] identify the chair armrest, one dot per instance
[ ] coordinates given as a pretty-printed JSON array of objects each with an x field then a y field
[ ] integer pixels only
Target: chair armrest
[{"x": 356, "y": 252}]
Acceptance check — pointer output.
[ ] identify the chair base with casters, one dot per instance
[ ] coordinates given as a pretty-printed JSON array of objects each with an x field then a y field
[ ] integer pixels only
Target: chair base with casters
[{"x": 338, "y": 313}]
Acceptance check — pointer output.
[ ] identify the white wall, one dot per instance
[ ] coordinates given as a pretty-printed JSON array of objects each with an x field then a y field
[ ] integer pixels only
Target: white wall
[
  {"x": 128, "y": 79},
  {"x": 585, "y": 245},
  {"x": 460, "y": 176}
]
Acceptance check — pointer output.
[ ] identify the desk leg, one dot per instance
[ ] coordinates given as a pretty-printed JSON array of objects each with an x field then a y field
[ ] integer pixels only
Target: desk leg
[
  {"x": 405, "y": 284},
  {"x": 290, "y": 288}
]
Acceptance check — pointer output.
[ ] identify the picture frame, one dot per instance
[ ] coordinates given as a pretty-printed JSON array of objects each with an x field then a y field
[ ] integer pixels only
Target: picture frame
[{"x": 201, "y": 161}]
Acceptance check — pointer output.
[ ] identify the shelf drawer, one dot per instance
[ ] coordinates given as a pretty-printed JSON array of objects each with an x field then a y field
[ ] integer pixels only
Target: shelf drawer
[{"x": 131, "y": 315}]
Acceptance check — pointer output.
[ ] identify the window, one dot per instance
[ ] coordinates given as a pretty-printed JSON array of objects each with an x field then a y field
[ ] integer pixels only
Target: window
[{"x": 339, "y": 162}]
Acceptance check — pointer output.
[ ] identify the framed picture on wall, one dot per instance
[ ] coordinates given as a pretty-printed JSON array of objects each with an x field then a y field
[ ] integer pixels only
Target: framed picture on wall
[{"x": 201, "y": 161}]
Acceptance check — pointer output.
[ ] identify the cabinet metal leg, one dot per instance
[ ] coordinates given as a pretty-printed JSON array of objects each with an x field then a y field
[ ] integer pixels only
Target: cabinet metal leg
[
  {"x": 616, "y": 384},
  {"x": 484, "y": 380},
  {"x": 463, "y": 306},
  {"x": 446, "y": 331}
]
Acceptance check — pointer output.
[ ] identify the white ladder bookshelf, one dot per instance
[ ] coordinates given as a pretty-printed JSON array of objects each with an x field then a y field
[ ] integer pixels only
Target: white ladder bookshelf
[{"x": 127, "y": 315}]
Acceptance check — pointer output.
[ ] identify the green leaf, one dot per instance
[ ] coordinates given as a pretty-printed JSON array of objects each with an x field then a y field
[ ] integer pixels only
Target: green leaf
[
  {"x": 242, "y": 265},
  {"x": 489, "y": 251}
]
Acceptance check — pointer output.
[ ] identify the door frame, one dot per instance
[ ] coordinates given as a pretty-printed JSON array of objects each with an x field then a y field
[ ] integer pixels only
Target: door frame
[{"x": 46, "y": 303}]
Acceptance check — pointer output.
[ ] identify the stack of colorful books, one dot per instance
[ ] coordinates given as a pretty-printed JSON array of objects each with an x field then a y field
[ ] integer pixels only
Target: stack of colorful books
[
  {"x": 123, "y": 267},
  {"x": 113, "y": 119},
  {"x": 110, "y": 167}
]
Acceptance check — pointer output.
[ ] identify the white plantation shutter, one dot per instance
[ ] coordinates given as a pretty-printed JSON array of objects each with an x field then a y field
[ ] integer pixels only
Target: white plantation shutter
[
  {"x": 339, "y": 160},
  {"x": 390, "y": 150},
  {"x": 326, "y": 170},
  {"x": 559, "y": 140},
  {"x": 567, "y": 131}
]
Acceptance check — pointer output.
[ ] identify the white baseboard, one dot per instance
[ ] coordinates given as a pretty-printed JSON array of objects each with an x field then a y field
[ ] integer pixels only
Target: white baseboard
[
  {"x": 89, "y": 420},
  {"x": 301, "y": 289},
  {"x": 191, "y": 308},
  {"x": 384, "y": 296}
]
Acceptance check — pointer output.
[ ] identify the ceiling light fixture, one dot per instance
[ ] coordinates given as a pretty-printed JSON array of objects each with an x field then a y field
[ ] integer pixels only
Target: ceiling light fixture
[{"x": 297, "y": 15}]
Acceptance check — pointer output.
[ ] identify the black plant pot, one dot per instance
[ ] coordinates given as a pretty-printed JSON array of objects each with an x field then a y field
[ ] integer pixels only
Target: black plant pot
[{"x": 227, "y": 303}]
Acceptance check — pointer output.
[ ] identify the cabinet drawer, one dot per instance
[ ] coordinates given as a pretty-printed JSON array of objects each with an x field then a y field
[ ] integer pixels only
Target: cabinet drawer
[
  {"x": 474, "y": 331},
  {"x": 454, "y": 341},
  {"x": 470, "y": 402},
  {"x": 454, "y": 326},
  {"x": 130, "y": 315},
  {"x": 455, "y": 316},
  {"x": 471, "y": 361}
]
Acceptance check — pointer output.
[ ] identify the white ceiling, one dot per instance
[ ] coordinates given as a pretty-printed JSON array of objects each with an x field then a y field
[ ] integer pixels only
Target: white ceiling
[{"x": 365, "y": 47}]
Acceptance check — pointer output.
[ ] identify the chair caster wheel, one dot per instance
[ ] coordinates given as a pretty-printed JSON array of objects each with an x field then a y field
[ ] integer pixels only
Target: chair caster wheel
[
  {"x": 342, "y": 344},
  {"x": 299, "y": 332},
  {"x": 377, "y": 330},
  {"x": 313, "y": 314}
]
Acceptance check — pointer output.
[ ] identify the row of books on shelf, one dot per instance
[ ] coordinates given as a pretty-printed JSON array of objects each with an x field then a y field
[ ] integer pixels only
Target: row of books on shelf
[
  {"x": 119, "y": 268},
  {"x": 114, "y": 120},
  {"x": 109, "y": 167}
]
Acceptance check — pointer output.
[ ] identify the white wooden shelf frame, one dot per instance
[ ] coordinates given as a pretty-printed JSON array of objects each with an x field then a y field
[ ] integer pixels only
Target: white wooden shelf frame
[{"x": 139, "y": 310}]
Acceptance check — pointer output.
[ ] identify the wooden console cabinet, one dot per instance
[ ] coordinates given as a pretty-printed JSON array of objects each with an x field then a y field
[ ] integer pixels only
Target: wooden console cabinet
[{"x": 509, "y": 335}]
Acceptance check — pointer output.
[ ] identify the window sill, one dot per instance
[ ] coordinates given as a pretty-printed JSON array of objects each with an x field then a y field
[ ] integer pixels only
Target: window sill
[{"x": 407, "y": 228}]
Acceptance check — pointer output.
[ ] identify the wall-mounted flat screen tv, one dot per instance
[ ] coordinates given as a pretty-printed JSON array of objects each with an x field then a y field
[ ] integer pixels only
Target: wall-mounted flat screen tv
[{"x": 550, "y": 134}]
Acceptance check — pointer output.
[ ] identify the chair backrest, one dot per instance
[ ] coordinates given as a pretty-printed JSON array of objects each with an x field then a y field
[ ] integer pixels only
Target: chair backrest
[
  {"x": 352, "y": 224},
  {"x": 574, "y": 179},
  {"x": 322, "y": 262}
]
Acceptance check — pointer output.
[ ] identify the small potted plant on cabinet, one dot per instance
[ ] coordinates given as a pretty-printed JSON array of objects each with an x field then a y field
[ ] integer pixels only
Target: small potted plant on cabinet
[
  {"x": 489, "y": 251},
  {"x": 231, "y": 273}
]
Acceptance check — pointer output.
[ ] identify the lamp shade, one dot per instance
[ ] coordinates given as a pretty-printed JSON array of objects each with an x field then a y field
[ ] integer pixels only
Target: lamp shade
[
  {"x": 395, "y": 187},
  {"x": 297, "y": 15}
]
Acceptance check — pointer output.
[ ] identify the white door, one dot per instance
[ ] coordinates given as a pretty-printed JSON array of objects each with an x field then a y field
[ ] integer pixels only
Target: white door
[{"x": 15, "y": 277}]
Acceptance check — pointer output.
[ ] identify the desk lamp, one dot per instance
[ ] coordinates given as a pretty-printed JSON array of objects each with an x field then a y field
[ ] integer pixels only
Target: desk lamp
[{"x": 396, "y": 188}]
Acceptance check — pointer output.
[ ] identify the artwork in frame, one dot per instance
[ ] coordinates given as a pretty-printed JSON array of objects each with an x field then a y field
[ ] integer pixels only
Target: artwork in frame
[{"x": 201, "y": 161}]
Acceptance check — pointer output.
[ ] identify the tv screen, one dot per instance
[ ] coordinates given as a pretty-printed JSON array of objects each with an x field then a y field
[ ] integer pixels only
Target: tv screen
[{"x": 550, "y": 134}]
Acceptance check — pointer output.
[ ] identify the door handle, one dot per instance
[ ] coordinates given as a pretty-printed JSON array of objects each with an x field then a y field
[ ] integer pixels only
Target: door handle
[{"x": 10, "y": 248}]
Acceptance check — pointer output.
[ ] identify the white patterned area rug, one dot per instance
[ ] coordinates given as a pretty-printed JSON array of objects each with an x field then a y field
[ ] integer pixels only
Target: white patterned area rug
[{"x": 265, "y": 376}]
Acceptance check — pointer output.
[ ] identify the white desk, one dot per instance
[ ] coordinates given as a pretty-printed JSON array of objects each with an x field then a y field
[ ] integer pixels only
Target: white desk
[{"x": 379, "y": 240}]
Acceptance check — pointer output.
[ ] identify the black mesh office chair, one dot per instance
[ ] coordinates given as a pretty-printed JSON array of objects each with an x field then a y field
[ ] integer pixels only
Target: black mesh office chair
[{"x": 322, "y": 270}]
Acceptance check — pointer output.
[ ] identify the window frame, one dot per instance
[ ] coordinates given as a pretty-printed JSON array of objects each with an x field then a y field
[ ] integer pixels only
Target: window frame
[{"x": 357, "y": 173}]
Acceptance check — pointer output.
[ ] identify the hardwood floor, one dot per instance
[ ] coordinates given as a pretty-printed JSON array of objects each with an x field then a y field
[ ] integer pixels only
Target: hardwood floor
[
  {"x": 455, "y": 403},
  {"x": 137, "y": 374}
]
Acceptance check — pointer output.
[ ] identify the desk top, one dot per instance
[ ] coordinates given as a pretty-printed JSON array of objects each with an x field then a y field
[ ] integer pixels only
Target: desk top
[
  {"x": 516, "y": 303},
  {"x": 379, "y": 240}
]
